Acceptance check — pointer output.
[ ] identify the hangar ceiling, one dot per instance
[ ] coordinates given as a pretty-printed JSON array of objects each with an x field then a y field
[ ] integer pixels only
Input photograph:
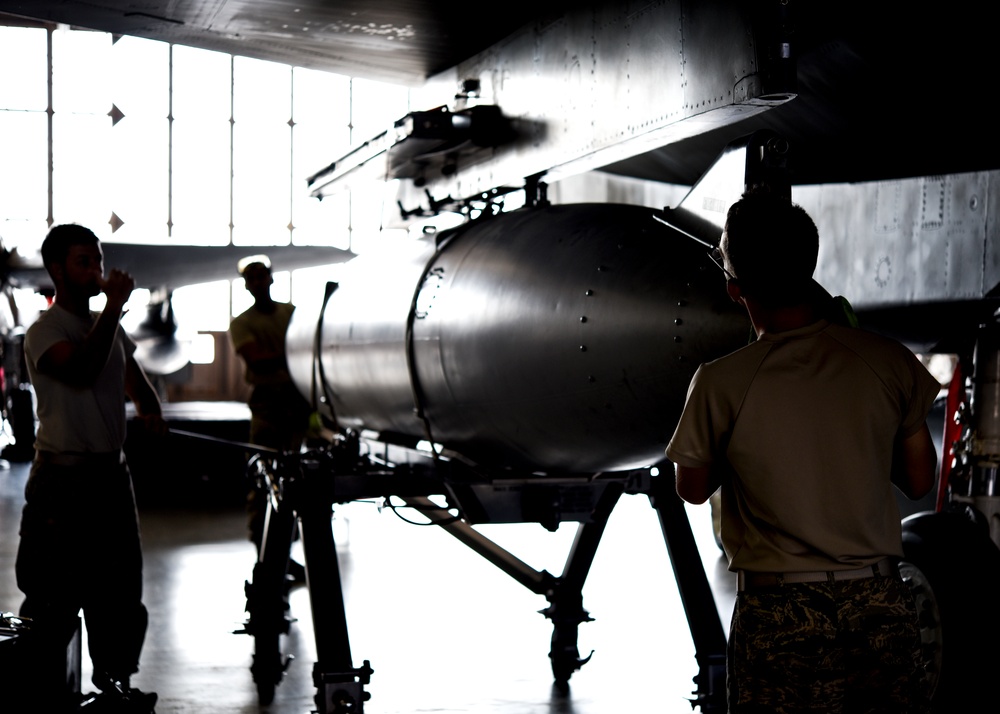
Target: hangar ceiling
[
  {"x": 885, "y": 90},
  {"x": 399, "y": 41}
]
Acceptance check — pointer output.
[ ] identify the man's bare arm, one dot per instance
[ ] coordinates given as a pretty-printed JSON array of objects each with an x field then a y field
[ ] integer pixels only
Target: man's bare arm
[
  {"x": 913, "y": 464},
  {"x": 142, "y": 394},
  {"x": 79, "y": 364},
  {"x": 695, "y": 484}
]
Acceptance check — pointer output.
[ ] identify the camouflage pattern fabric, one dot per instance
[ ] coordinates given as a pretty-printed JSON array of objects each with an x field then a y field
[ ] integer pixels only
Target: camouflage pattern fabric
[{"x": 852, "y": 646}]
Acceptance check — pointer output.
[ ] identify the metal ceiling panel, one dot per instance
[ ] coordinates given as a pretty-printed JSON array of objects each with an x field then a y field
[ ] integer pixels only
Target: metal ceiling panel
[{"x": 399, "y": 41}]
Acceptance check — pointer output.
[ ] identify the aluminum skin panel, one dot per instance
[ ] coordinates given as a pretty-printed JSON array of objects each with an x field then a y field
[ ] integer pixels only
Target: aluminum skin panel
[
  {"x": 918, "y": 258},
  {"x": 597, "y": 85},
  {"x": 904, "y": 242}
]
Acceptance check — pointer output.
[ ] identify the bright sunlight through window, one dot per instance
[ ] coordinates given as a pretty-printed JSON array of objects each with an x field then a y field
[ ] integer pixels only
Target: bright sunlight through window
[{"x": 163, "y": 144}]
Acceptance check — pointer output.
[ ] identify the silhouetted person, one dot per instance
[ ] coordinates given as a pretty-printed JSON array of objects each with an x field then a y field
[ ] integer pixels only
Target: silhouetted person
[
  {"x": 806, "y": 430},
  {"x": 80, "y": 544},
  {"x": 279, "y": 414}
]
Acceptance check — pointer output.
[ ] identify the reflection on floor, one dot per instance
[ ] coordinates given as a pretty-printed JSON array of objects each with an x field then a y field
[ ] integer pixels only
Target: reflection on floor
[{"x": 443, "y": 629}]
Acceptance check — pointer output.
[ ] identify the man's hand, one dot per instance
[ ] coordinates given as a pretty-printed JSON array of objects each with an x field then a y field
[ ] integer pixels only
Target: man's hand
[
  {"x": 118, "y": 286},
  {"x": 153, "y": 424}
]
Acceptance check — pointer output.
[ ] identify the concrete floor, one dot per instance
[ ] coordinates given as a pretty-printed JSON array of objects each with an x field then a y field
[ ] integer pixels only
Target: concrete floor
[{"x": 443, "y": 629}]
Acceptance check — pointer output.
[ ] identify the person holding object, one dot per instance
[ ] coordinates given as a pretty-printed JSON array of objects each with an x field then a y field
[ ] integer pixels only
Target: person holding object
[
  {"x": 80, "y": 543},
  {"x": 805, "y": 431}
]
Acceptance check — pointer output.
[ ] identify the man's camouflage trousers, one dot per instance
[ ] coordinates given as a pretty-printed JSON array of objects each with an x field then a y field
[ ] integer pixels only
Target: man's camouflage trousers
[{"x": 851, "y": 646}]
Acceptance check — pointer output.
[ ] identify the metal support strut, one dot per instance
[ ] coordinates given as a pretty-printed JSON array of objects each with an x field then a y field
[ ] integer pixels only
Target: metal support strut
[
  {"x": 696, "y": 596},
  {"x": 339, "y": 685}
]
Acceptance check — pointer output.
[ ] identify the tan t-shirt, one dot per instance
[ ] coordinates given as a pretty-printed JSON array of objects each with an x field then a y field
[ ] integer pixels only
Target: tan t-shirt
[
  {"x": 268, "y": 330},
  {"x": 806, "y": 421}
]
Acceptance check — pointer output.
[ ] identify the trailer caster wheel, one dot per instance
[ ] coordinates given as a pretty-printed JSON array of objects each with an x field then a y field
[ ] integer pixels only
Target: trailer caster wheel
[
  {"x": 953, "y": 570},
  {"x": 563, "y": 666}
]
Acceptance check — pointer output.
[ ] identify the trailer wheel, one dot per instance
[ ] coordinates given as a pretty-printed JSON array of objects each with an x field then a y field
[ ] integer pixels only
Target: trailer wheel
[
  {"x": 266, "y": 667},
  {"x": 953, "y": 571}
]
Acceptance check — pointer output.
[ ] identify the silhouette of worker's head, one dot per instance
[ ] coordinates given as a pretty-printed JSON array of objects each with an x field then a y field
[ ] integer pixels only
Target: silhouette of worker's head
[
  {"x": 73, "y": 258},
  {"x": 256, "y": 272},
  {"x": 770, "y": 246}
]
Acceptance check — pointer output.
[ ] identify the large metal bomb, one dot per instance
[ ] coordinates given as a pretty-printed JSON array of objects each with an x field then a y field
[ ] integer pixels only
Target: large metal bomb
[{"x": 555, "y": 339}]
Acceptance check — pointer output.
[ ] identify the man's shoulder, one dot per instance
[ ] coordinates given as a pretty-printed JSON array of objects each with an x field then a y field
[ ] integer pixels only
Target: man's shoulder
[
  {"x": 748, "y": 354},
  {"x": 890, "y": 360},
  {"x": 246, "y": 319},
  {"x": 247, "y": 314},
  {"x": 53, "y": 325},
  {"x": 252, "y": 314},
  {"x": 53, "y": 317},
  {"x": 859, "y": 338},
  {"x": 731, "y": 371}
]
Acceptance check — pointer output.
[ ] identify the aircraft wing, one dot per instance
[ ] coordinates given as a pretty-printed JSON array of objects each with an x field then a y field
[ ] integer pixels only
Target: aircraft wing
[
  {"x": 171, "y": 266},
  {"x": 162, "y": 268}
]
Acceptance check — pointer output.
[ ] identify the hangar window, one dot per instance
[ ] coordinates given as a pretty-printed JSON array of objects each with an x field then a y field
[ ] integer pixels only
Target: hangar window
[{"x": 151, "y": 142}]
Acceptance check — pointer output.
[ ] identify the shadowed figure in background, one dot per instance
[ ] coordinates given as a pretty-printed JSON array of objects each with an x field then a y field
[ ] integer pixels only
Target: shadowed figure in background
[{"x": 279, "y": 414}]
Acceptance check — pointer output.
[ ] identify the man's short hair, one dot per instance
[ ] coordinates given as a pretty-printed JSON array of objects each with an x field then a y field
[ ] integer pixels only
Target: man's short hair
[
  {"x": 772, "y": 245},
  {"x": 55, "y": 247},
  {"x": 253, "y": 262}
]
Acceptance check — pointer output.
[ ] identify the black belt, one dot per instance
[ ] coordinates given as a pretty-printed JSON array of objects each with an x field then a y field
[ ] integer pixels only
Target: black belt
[
  {"x": 103, "y": 459},
  {"x": 746, "y": 580}
]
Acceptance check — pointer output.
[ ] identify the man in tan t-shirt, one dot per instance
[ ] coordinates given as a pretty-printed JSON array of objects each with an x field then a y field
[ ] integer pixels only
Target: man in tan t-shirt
[
  {"x": 805, "y": 431},
  {"x": 279, "y": 414}
]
